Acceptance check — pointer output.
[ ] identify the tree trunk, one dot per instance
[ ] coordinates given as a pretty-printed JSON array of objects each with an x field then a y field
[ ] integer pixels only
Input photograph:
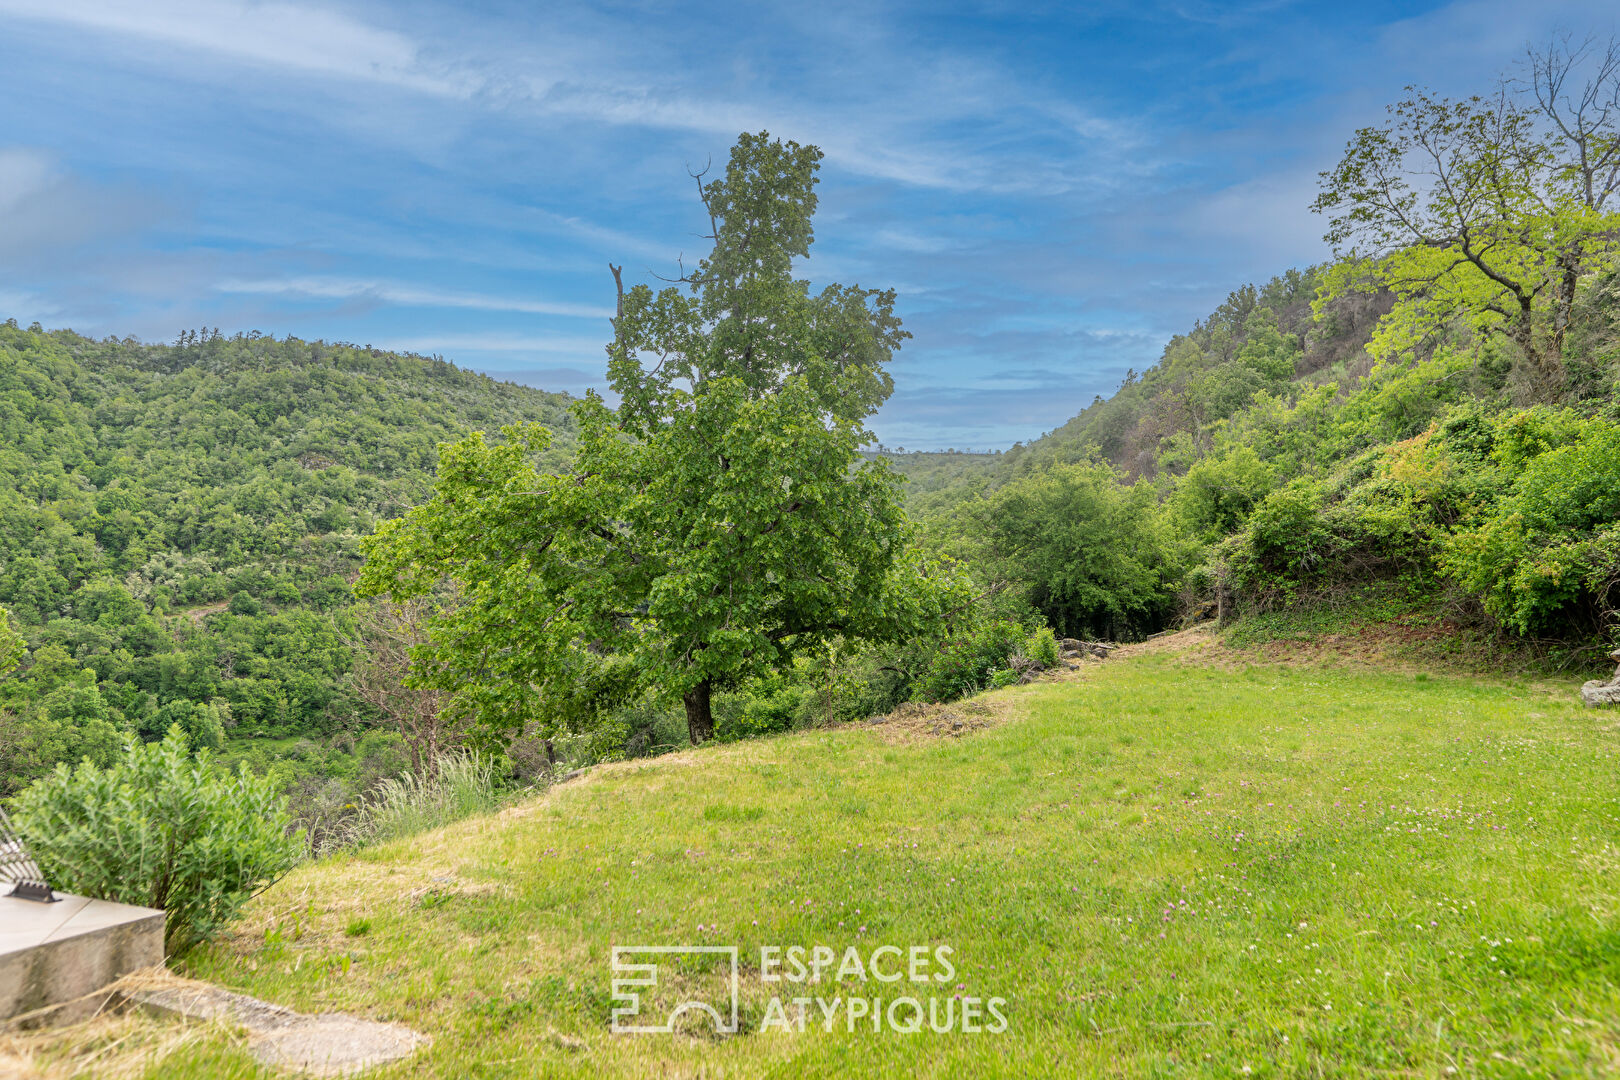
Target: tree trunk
[{"x": 699, "y": 716}]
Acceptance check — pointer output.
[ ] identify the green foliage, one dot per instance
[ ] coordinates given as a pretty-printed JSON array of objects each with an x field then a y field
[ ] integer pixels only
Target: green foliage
[
  {"x": 1042, "y": 647},
  {"x": 161, "y": 828},
  {"x": 456, "y": 786},
  {"x": 1265, "y": 349},
  {"x": 177, "y": 523},
  {"x": 1096, "y": 557},
  {"x": 1482, "y": 212},
  {"x": 1218, "y": 492},
  {"x": 1552, "y": 544},
  {"x": 966, "y": 663},
  {"x": 13, "y": 649},
  {"x": 715, "y": 525}
]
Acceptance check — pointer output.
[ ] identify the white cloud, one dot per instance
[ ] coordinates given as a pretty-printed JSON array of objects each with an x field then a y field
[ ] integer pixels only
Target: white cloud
[
  {"x": 276, "y": 34},
  {"x": 408, "y": 295},
  {"x": 23, "y": 173}
]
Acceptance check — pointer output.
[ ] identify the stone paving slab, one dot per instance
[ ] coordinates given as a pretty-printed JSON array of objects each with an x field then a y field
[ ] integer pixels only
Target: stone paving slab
[{"x": 329, "y": 1044}]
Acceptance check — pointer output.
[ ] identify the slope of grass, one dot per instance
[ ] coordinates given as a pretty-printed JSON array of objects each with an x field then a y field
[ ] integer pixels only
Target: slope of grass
[{"x": 1164, "y": 869}]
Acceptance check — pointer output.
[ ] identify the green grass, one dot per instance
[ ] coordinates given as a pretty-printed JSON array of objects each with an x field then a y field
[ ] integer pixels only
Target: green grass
[
  {"x": 1165, "y": 870},
  {"x": 1385, "y": 605}
]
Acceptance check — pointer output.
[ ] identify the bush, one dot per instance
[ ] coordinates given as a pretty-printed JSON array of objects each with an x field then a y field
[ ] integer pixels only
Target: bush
[
  {"x": 1551, "y": 547},
  {"x": 1097, "y": 558},
  {"x": 1001, "y": 677},
  {"x": 163, "y": 829},
  {"x": 1042, "y": 647},
  {"x": 966, "y": 664}
]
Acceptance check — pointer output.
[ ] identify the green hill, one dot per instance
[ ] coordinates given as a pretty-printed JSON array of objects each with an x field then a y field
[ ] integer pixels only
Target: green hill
[
  {"x": 179, "y": 525},
  {"x": 1270, "y": 461}
]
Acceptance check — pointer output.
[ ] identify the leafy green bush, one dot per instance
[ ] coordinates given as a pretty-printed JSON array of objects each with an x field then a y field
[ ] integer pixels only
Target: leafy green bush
[
  {"x": 1097, "y": 558},
  {"x": 1042, "y": 647},
  {"x": 160, "y": 828},
  {"x": 1219, "y": 492},
  {"x": 965, "y": 664},
  {"x": 1001, "y": 677},
  {"x": 1553, "y": 542}
]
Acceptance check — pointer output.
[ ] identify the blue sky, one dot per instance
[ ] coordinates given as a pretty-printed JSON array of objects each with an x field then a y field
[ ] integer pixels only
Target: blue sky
[{"x": 1053, "y": 189}]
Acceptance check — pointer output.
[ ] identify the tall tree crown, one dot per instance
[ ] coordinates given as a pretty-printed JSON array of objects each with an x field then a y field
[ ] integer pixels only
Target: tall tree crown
[{"x": 741, "y": 313}]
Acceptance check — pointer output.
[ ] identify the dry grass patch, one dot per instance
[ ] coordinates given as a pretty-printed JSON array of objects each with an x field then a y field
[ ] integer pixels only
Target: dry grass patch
[{"x": 914, "y": 722}]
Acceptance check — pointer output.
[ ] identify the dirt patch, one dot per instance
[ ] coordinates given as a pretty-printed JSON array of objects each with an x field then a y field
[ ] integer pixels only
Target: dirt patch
[
  {"x": 1396, "y": 647},
  {"x": 1191, "y": 639},
  {"x": 198, "y": 614},
  {"x": 914, "y": 722},
  {"x": 1386, "y": 647}
]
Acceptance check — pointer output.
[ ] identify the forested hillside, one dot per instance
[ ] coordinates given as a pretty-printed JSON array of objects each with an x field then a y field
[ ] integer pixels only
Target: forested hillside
[
  {"x": 179, "y": 527},
  {"x": 1430, "y": 421},
  {"x": 1425, "y": 427},
  {"x": 1272, "y": 460}
]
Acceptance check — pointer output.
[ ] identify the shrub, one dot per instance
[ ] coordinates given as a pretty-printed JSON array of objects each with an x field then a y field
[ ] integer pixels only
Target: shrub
[
  {"x": 965, "y": 664},
  {"x": 160, "y": 828},
  {"x": 1097, "y": 558},
  {"x": 1552, "y": 543},
  {"x": 1042, "y": 647},
  {"x": 1001, "y": 677},
  {"x": 1218, "y": 493}
]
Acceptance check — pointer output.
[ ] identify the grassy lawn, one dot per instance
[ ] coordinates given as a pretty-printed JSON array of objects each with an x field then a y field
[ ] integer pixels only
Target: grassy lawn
[{"x": 1164, "y": 869}]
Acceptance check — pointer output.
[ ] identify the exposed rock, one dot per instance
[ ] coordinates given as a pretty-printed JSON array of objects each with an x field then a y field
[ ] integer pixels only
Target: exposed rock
[
  {"x": 1072, "y": 647},
  {"x": 1598, "y": 692}
]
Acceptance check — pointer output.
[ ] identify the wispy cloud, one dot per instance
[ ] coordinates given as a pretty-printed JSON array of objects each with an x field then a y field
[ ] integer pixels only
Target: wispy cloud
[
  {"x": 1054, "y": 189},
  {"x": 407, "y": 295},
  {"x": 927, "y": 93},
  {"x": 279, "y": 35}
]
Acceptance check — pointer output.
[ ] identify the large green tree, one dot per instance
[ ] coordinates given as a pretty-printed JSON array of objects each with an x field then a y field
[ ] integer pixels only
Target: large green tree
[
  {"x": 1096, "y": 557},
  {"x": 715, "y": 523},
  {"x": 1485, "y": 210}
]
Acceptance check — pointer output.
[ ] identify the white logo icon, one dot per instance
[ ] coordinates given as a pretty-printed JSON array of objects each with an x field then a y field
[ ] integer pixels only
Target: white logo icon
[{"x": 629, "y": 977}]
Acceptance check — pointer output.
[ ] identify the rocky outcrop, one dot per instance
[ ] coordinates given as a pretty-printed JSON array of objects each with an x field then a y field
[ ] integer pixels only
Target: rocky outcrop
[
  {"x": 1597, "y": 692},
  {"x": 1074, "y": 647}
]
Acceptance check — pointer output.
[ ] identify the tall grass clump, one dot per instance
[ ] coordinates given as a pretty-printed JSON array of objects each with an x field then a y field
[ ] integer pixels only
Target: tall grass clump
[{"x": 458, "y": 786}]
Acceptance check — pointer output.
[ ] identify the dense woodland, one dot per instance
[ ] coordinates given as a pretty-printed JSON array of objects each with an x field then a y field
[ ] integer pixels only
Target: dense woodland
[
  {"x": 1430, "y": 422},
  {"x": 179, "y": 527}
]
